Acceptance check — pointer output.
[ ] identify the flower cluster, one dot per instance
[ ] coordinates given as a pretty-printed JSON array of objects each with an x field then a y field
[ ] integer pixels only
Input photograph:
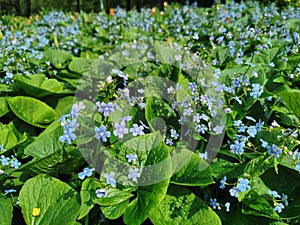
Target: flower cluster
[{"x": 70, "y": 124}]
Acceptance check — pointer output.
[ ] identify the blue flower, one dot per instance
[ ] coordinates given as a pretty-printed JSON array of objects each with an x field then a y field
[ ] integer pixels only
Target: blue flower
[
  {"x": 274, "y": 193},
  {"x": 137, "y": 130},
  {"x": 104, "y": 108},
  {"x": 256, "y": 90},
  {"x": 133, "y": 174},
  {"x": 237, "y": 82},
  {"x": 131, "y": 158},
  {"x": 14, "y": 163},
  {"x": 169, "y": 141},
  {"x": 218, "y": 129},
  {"x": 120, "y": 74},
  {"x": 237, "y": 147},
  {"x": 110, "y": 179},
  {"x": 278, "y": 208},
  {"x": 101, "y": 133},
  {"x": 201, "y": 129},
  {"x": 76, "y": 108},
  {"x": 9, "y": 191},
  {"x": 252, "y": 131},
  {"x": 227, "y": 205},
  {"x": 87, "y": 172},
  {"x": 223, "y": 182},
  {"x": 243, "y": 185},
  {"x": 285, "y": 199},
  {"x": 264, "y": 144},
  {"x": 234, "y": 192},
  {"x": 101, "y": 193},
  {"x": 274, "y": 150},
  {"x": 68, "y": 136},
  {"x": 204, "y": 155},
  {"x": 259, "y": 125},
  {"x": 188, "y": 111},
  {"x": 2, "y": 149},
  {"x": 174, "y": 134},
  {"x": 120, "y": 129},
  {"x": 213, "y": 203},
  {"x": 4, "y": 160}
]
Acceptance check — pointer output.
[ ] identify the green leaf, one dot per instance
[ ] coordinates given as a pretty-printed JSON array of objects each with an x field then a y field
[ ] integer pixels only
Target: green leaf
[
  {"x": 10, "y": 137},
  {"x": 64, "y": 105},
  {"x": 47, "y": 164},
  {"x": 259, "y": 165},
  {"x": 221, "y": 54},
  {"x": 7, "y": 137},
  {"x": 46, "y": 143},
  {"x": 57, "y": 58},
  {"x": 5, "y": 88},
  {"x": 6, "y": 211},
  {"x": 79, "y": 65},
  {"x": 114, "y": 211},
  {"x": 37, "y": 85},
  {"x": 193, "y": 170},
  {"x": 221, "y": 168},
  {"x": 293, "y": 24},
  {"x": 255, "y": 204},
  {"x": 266, "y": 56},
  {"x": 87, "y": 194},
  {"x": 32, "y": 111},
  {"x": 3, "y": 106},
  {"x": 157, "y": 110},
  {"x": 291, "y": 99},
  {"x": 100, "y": 69},
  {"x": 153, "y": 154},
  {"x": 57, "y": 201},
  {"x": 180, "y": 207},
  {"x": 163, "y": 52},
  {"x": 278, "y": 223},
  {"x": 89, "y": 198}
]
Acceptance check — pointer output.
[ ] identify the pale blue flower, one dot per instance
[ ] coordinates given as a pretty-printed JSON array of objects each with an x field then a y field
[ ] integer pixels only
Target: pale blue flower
[
  {"x": 133, "y": 174},
  {"x": 110, "y": 179},
  {"x": 101, "y": 133},
  {"x": 87, "y": 172}
]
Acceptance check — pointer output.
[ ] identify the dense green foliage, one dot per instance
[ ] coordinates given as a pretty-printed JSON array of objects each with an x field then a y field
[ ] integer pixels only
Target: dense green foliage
[{"x": 187, "y": 116}]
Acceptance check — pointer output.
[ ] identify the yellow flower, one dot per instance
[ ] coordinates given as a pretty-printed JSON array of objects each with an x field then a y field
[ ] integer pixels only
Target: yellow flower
[{"x": 36, "y": 211}]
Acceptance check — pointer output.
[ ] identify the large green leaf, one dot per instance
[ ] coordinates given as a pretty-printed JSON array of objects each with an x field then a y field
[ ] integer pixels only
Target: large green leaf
[
  {"x": 255, "y": 204},
  {"x": 266, "y": 56},
  {"x": 57, "y": 58},
  {"x": 32, "y": 111},
  {"x": 157, "y": 110},
  {"x": 89, "y": 198},
  {"x": 57, "y": 201},
  {"x": 48, "y": 164},
  {"x": 37, "y": 85},
  {"x": 6, "y": 211},
  {"x": 163, "y": 52},
  {"x": 192, "y": 169},
  {"x": 64, "y": 105},
  {"x": 10, "y": 137},
  {"x": 3, "y": 106},
  {"x": 153, "y": 154},
  {"x": 79, "y": 65},
  {"x": 259, "y": 165},
  {"x": 100, "y": 69},
  {"x": 181, "y": 207},
  {"x": 221, "y": 54},
  {"x": 115, "y": 211},
  {"x": 46, "y": 143},
  {"x": 291, "y": 99},
  {"x": 293, "y": 24}
]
